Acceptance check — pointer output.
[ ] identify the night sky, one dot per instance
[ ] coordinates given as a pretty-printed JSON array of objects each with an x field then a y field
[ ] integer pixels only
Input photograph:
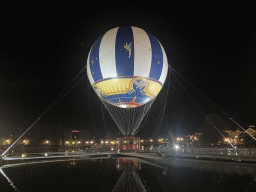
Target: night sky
[{"x": 44, "y": 48}]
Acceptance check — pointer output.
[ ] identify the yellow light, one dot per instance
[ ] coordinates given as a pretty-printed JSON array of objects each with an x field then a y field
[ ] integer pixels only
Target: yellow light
[
  {"x": 151, "y": 140},
  {"x": 107, "y": 142},
  {"x": 24, "y": 141},
  {"x": 79, "y": 142},
  {"x": 91, "y": 142},
  {"x": 66, "y": 141},
  {"x": 87, "y": 142},
  {"x": 112, "y": 142}
]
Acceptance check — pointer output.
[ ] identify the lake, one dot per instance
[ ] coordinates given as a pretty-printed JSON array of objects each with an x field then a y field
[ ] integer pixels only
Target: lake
[{"x": 126, "y": 174}]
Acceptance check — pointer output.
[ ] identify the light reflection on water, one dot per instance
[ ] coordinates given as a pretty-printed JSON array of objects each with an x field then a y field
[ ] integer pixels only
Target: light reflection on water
[{"x": 131, "y": 174}]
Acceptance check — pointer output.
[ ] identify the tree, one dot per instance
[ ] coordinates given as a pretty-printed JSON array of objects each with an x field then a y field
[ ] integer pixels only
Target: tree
[
  {"x": 60, "y": 142},
  {"x": 213, "y": 129}
]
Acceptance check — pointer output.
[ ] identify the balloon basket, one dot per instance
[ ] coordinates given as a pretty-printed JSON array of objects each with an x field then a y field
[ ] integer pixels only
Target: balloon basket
[{"x": 128, "y": 143}]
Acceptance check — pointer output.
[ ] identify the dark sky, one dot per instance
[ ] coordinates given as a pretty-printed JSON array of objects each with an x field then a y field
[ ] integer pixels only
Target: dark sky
[{"x": 44, "y": 48}]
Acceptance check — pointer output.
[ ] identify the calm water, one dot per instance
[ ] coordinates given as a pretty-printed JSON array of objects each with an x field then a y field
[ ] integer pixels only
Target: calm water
[{"x": 126, "y": 174}]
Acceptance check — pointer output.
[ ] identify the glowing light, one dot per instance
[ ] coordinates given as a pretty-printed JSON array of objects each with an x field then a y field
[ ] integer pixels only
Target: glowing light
[
  {"x": 123, "y": 106},
  {"x": 24, "y": 141},
  {"x": 91, "y": 142},
  {"x": 45, "y": 154},
  {"x": 151, "y": 140},
  {"x": 176, "y": 146},
  {"x": 112, "y": 142},
  {"x": 46, "y": 141},
  {"x": 106, "y": 142},
  {"x": 79, "y": 142},
  {"x": 87, "y": 142}
]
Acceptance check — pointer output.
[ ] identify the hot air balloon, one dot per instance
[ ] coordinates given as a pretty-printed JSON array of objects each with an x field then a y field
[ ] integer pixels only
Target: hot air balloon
[{"x": 127, "y": 68}]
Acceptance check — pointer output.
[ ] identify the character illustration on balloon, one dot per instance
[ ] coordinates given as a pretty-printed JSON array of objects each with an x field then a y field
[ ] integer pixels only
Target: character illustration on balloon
[
  {"x": 128, "y": 48},
  {"x": 138, "y": 84}
]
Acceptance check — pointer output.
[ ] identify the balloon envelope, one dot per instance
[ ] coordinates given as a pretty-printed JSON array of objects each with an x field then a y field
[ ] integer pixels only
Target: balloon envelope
[{"x": 127, "y": 67}]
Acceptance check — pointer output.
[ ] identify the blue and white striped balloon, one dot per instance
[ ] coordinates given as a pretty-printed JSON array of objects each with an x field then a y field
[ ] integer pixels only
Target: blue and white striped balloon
[{"x": 127, "y": 66}]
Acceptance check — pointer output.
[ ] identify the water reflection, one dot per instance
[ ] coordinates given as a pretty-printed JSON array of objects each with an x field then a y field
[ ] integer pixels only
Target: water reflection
[
  {"x": 224, "y": 167},
  {"x": 9, "y": 180},
  {"x": 129, "y": 180},
  {"x": 136, "y": 174}
]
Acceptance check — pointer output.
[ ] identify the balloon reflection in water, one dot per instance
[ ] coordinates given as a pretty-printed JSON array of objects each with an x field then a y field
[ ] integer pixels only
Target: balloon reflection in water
[{"x": 129, "y": 180}]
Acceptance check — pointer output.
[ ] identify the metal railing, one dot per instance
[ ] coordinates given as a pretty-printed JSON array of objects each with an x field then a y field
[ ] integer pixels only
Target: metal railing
[{"x": 238, "y": 152}]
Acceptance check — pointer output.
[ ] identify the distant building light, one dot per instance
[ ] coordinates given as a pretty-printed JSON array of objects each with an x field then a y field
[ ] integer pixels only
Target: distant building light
[
  {"x": 79, "y": 142},
  {"x": 91, "y": 142},
  {"x": 87, "y": 142},
  {"x": 180, "y": 139}
]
